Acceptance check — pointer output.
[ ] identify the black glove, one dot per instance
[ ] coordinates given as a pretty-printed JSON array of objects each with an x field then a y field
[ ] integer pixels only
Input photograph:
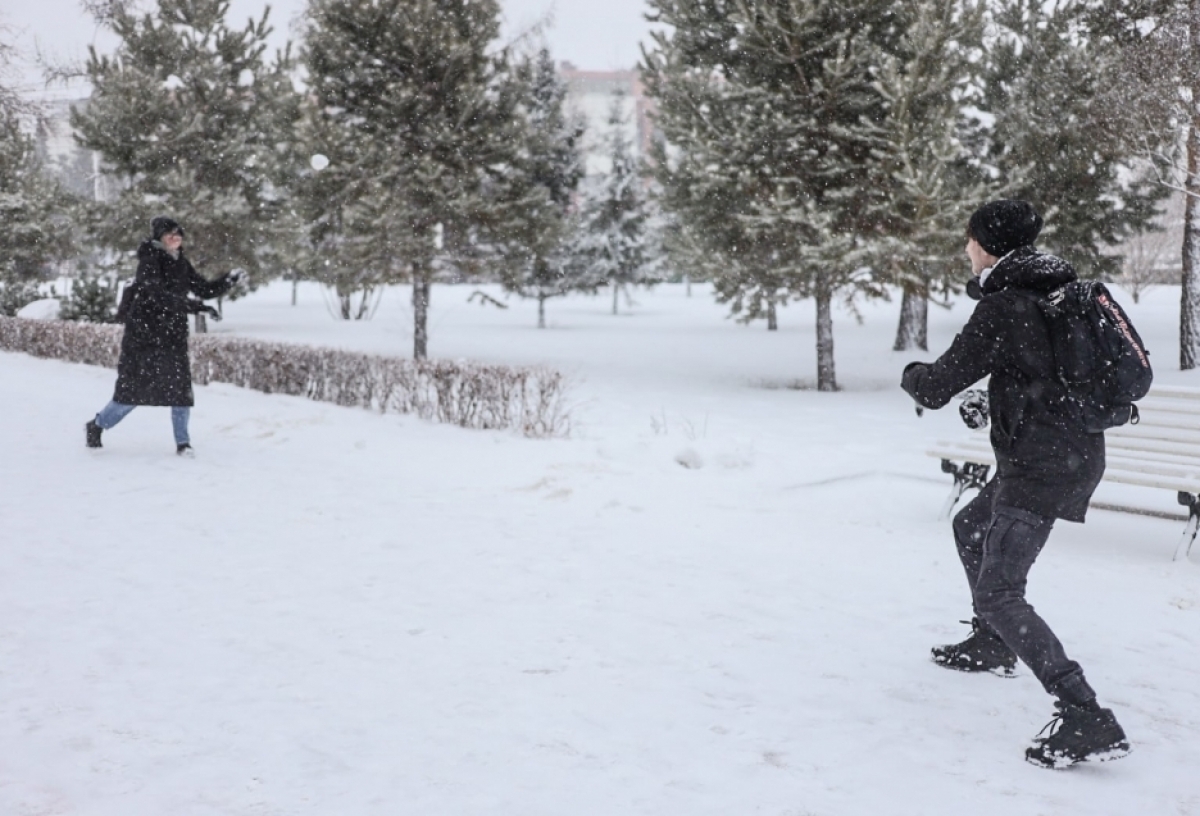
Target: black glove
[
  {"x": 200, "y": 307},
  {"x": 908, "y": 380},
  {"x": 974, "y": 409}
]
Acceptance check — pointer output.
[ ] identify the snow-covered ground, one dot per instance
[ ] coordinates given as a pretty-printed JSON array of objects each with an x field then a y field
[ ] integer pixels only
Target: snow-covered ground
[{"x": 335, "y": 613}]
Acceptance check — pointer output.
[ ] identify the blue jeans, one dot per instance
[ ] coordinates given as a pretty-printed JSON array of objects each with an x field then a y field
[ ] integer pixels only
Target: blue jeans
[{"x": 114, "y": 412}]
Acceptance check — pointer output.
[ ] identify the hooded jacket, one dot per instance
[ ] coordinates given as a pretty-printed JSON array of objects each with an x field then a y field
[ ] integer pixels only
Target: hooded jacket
[
  {"x": 1046, "y": 461},
  {"x": 154, "y": 368}
]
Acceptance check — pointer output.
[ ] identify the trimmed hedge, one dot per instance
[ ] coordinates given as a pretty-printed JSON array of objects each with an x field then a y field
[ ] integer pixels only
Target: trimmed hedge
[{"x": 471, "y": 395}]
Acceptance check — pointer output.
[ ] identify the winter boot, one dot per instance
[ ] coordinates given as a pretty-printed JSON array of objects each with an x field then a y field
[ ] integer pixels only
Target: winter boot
[
  {"x": 983, "y": 651},
  {"x": 93, "y": 434},
  {"x": 185, "y": 450},
  {"x": 1078, "y": 733}
]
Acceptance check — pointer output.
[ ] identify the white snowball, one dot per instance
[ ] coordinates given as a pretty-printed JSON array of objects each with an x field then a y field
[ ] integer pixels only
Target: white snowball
[{"x": 319, "y": 161}]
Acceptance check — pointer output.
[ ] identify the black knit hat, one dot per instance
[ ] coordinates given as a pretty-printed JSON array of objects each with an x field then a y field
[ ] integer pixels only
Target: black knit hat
[
  {"x": 162, "y": 225},
  {"x": 1004, "y": 225}
]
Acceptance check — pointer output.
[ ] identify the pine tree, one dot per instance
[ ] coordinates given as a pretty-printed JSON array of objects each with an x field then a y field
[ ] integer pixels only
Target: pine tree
[
  {"x": 1150, "y": 97},
  {"x": 540, "y": 263},
  {"x": 1044, "y": 82},
  {"x": 927, "y": 181},
  {"x": 615, "y": 243},
  {"x": 773, "y": 108},
  {"x": 92, "y": 299},
  {"x": 35, "y": 231},
  {"x": 189, "y": 116},
  {"x": 417, "y": 117}
]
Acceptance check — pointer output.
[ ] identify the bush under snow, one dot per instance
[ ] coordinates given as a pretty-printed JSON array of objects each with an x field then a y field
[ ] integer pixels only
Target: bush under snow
[{"x": 472, "y": 395}]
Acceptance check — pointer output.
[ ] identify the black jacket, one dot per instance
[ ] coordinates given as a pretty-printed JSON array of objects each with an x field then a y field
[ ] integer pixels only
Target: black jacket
[
  {"x": 154, "y": 367},
  {"x": 1047, "y": 463}
]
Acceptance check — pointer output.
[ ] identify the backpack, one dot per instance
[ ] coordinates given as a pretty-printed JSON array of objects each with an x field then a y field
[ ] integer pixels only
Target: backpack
[
  {"x": 125, "y": 306},
  {"x": 1099, "y": 358}
]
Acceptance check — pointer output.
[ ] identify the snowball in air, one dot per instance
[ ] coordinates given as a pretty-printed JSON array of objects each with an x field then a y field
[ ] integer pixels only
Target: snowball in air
[{"x": 319, "y": 161}]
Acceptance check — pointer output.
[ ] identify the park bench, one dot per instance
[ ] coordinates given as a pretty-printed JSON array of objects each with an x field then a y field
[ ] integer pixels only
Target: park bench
[{"x": 1161, "y": 451}]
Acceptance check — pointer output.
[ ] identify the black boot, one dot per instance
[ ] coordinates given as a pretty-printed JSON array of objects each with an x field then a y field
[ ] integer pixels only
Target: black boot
[
  {"x": 983, "y": 651},
  {"x": 1078, "y": 733},
  {"x": 185, "y": 450},
  {"x": 93, "y": 434}
]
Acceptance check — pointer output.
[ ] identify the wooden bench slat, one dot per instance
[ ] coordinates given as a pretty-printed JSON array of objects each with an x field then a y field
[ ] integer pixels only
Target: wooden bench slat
[
  {"x": 1168, "y": 457},
  {"x": 1153, "y": 443}
]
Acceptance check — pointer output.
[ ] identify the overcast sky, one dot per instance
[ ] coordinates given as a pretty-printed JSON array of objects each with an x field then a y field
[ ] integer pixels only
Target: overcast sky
[{"x": 593, "y": 34}]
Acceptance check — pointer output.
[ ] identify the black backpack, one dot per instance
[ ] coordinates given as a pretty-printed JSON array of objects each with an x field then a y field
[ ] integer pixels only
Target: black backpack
[
  {"x": 1099, "y": 358},
  {"x": 125, "y": 307}
]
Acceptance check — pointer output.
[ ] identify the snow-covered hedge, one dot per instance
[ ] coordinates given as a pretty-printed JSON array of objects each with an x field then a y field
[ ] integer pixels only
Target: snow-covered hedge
[{"x": 469, "y": 394}]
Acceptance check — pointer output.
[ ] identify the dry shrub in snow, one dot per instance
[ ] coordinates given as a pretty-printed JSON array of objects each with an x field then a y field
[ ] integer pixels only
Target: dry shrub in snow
[{"x": 471, "y": 395}]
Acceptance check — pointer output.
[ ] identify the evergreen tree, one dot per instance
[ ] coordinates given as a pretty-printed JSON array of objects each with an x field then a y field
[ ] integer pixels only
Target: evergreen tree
[
  {"x": 615, "y": 241},
  {"x": 773, "y": 108},
  {"x": 35, "y": 230},
  {"x": 540, "y": 263},
  {"x": 1044, "y": 81},
  {"x": 1150, "y": 97},
  {"x": 418, "y": 119},
  {"x": 928, "y": 184},
  {"x": 92, "y": 299},
  {"x": 190, "y": 116}
]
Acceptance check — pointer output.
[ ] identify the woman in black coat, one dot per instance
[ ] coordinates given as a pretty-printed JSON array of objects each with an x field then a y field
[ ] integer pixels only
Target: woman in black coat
[{"x": 154, "y": 368}]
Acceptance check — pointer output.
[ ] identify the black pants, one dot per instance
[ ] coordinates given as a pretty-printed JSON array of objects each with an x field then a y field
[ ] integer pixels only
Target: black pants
[{"x": 998, "y": 545}]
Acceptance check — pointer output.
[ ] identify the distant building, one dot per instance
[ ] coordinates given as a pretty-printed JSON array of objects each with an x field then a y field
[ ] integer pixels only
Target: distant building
[
  {"x": 590, "y": 94},
  {"x": 1156, "y": 257},
  {"x": 76, "y": 168}
]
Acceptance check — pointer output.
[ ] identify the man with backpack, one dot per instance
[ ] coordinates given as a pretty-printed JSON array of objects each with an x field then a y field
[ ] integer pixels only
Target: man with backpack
[{"x": 1049, "y": 460}]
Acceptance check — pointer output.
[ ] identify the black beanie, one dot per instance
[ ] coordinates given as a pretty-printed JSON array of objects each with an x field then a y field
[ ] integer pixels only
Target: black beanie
[
  {"x": 162, "y": 225},
  {"x": 1004, "y": 225}
]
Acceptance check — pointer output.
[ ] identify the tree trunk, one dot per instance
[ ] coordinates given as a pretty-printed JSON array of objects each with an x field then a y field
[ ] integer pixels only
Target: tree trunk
[
  {"x": 913, "y": 331},
  {"x": 295, "y": 287},
  {"x": 1189, "y": 307},
  {"x": 541, "y": 311},
  {"x": 687, "y": 280},
  {"x": 364, "y": 304},
  {"x": 201, "y": 324},
  {"x": 420, "y": 311},
  {"x": 772, "y": 318},
  {"x": 826, "y": 373},
  {"x": 344, "y": 304},
  {"x": 616, "y": 295}
]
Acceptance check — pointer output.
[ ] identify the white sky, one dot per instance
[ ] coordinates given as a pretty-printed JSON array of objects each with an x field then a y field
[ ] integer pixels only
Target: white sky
[{"x": 593, "y": 34}]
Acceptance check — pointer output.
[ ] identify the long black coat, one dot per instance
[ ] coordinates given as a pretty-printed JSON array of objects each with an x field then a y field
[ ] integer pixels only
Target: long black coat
[
  {"x": 1046, "y": 462},
  {"x": 154, "y": 368}
]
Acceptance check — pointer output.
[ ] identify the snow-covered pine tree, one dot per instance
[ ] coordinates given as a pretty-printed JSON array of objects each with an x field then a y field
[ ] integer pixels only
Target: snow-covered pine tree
[
  {"x": 773, "y": 111},
  {"x": 1150, "y": 97},
  {"x": 419, "y": 116},
  {"x": 189, "y": 115},
  {"x": 540, "y": 264},
  {"x": 92, "y": 298},
  {"x": 1043, "y": 79},
  {"x": 35, "y": 229},
  {"x": 928, "y": 187},
  {"x": 615, "y": 243}
]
